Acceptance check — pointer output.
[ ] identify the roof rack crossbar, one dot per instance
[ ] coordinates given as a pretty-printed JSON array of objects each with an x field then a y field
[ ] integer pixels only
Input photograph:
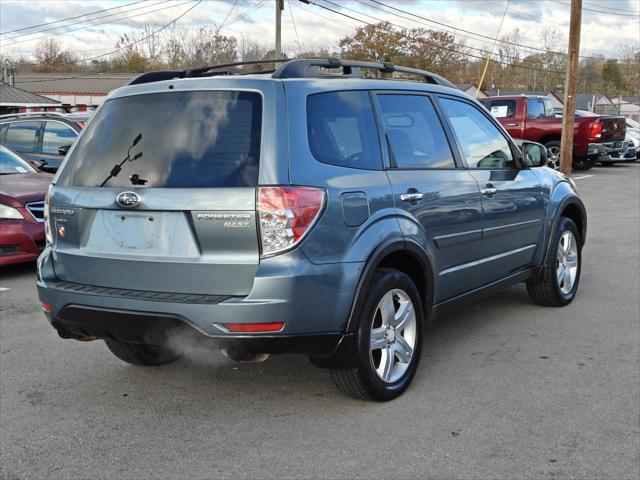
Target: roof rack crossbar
[{"x": 308, "y": 67}]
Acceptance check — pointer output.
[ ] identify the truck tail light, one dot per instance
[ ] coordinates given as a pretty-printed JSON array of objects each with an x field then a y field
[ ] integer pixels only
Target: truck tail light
[
  {"x": 286, "y": 214},
  {"x": 596, "y": 131},
  {"x": 47, "y": 217}
]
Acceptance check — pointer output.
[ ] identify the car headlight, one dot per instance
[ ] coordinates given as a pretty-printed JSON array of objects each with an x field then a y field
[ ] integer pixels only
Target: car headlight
[{"x": 7, "y": 212}]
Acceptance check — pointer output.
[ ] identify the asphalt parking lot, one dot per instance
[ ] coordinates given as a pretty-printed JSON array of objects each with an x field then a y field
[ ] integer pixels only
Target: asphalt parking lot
[{"x": 505, "y": 390}]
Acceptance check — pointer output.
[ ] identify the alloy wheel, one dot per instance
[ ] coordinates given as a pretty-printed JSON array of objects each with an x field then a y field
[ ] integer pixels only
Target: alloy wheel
[
  {"x": 393, "y": 336},
  {"x": 567, "y": 262}
]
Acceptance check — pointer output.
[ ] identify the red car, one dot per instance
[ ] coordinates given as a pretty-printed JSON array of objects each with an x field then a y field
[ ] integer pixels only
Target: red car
[{"x": 22, "y": 192}]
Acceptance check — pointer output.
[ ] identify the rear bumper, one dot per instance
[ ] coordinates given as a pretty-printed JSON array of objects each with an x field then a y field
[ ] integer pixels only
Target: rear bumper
[
  {"x": 20, "y": 241},
  {"x": 82, "y": 323},
  {"x": 628, "y": 153},
  {"x": 605, "y": 148},
  {"x": 313, "y": 302}
]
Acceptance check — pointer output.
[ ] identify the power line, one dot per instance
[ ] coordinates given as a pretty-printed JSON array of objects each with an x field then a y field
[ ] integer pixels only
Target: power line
[
  {"x": 634, "y": 14},
  {"x": 610, "y": 8},
  {"x": 104, "y": 23},
  {"x": 246, "y": 12},
  {"x": 295, "y": 29},
  {"x": 239, "y": 17},
  {"x": 421, "y": 40},
  {"x": 229, "y": 13},
  {"x": 465, "y": 31},
  {"x": 481, "y": 50},
  {"x": 486, "y": 65},
  {"x": 68, "y": 18},
  {"x": 537, "y": 18},
  {"x": 136, "y": 41},
  {"x": 81, "y": 21}
]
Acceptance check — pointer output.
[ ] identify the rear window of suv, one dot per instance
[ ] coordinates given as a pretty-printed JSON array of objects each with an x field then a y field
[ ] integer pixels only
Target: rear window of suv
[
  {"x": 342, "y": 130},
  {"x": 188, "y": 140}
]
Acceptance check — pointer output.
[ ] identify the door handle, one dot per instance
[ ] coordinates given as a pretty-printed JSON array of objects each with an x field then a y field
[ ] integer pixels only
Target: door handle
[
  {"x": 512, "y": 124},
  {"x": 489, "y": 191},
  {"x": 411, "y": 196}
]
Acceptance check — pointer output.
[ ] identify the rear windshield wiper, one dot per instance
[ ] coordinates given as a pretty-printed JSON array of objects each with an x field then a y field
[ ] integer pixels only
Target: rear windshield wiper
[{"x": 118, "y": 166}]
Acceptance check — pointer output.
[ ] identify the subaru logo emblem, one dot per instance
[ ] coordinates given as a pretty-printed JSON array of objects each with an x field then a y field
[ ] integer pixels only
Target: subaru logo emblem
[{"x": 128, "y": 199}]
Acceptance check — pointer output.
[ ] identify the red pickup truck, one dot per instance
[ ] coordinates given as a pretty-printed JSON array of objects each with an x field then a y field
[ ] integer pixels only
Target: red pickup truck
[{"x": 532, "y": 118}]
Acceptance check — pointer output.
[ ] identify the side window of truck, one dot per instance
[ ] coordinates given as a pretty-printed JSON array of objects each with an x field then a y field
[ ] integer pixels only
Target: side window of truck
[{"x": 535, "y": 108}]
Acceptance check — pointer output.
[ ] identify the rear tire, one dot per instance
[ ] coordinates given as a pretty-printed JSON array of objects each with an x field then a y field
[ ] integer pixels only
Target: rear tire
[
  {"x": 558, "y": 283},
  {"x": 583, "y": 163},
  {"x": 388, "y": 341},
  {"x": 143, "y": 355}
]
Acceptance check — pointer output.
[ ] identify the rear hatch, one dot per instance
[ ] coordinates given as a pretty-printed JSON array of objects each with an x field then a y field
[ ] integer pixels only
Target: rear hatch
[
  {"x": 159, "y": 195},
  {"x": 613, "y": 129}
]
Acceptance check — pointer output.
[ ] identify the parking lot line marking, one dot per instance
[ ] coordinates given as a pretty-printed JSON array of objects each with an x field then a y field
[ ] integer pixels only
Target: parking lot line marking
[
  {"x": 4, "y": 289},
  {"x": 583, "y": 176}
]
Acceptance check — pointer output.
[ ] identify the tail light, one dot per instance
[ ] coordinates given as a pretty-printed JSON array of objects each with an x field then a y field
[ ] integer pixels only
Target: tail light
[
  {"x": 286, "y": 214},
  {"x": 47, "y": 218},
  {"x": 596, "y": 131},
  {"x": 253, "y": 327}
]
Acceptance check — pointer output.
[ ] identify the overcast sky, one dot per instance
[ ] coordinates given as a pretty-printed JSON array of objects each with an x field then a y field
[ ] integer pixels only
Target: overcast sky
[{"x": 617, "y": 23}]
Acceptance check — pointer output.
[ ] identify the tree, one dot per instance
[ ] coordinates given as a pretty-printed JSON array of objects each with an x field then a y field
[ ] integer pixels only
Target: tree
[
  {"x": 51, "y": 56},
  {"x": 613, "y": 81},
  {"x": 379, "y": 43},
  {"x": 207, "y": 46}
]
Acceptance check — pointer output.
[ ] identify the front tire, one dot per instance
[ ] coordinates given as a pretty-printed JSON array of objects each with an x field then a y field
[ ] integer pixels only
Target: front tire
[
  {"x": 388, "y": 342},
  {"x": 142, "y": 355},
  {"x": 560, "y": 277}
]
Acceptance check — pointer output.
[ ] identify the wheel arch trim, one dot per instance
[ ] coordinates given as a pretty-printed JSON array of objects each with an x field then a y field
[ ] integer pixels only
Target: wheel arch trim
[
  {"x": 560, "y": 207},
  {"x": 385, "y": 249}
]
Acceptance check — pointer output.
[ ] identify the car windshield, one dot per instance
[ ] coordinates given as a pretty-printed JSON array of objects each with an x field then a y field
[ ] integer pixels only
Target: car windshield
[{"x": 10, "y": 163}]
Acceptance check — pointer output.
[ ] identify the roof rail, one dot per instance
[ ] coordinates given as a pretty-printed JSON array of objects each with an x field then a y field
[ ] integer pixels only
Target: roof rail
[
  {"x": 31, "y": 114},
  {"x": 310, "y": 67},
  {"x": 204, "y": 71},
  {"x": 295, "y": 68}
]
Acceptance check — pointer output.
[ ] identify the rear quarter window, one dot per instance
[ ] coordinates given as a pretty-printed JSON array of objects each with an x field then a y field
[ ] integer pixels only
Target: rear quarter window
[
  {"x": 194, "y": 139},
  {"x": 342, "y": 130}
]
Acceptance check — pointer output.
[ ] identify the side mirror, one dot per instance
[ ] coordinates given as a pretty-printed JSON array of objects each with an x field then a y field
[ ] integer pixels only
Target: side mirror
[
  {"x": 63, "y": 149},
  {"x": 37, "y": 164},
  {"x": 534, "y": 154}
]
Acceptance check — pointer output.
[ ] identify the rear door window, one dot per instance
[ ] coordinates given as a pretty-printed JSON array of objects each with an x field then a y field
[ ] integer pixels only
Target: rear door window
[
  {"x": 55, "y": 135},
  {"x": 414, "y": 133},
  {"x": 187, "y": 139},
  {"x": 23, "y": 136},
  {"x": 342, "y": 130},
  {"x": 501, "y": 108}
]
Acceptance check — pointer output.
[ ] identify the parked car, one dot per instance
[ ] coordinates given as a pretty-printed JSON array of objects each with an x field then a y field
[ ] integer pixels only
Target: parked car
[
  {"x": 633, "y": 135},
  {"x": 300, "y": 211},
  {"x": 533, "y": 118},
  {"x": 42, "y": 138},
  {"x": 22, "y": 192}
]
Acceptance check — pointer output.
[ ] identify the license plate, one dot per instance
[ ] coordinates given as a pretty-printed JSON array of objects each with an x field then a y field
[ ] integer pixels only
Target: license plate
[{"x": 134, "y": 231}]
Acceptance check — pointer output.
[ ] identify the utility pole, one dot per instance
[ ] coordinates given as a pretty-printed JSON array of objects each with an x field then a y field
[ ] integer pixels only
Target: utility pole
[
  {"x": 566, "y": 143},
  {"x": 279, "y": 9}
]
